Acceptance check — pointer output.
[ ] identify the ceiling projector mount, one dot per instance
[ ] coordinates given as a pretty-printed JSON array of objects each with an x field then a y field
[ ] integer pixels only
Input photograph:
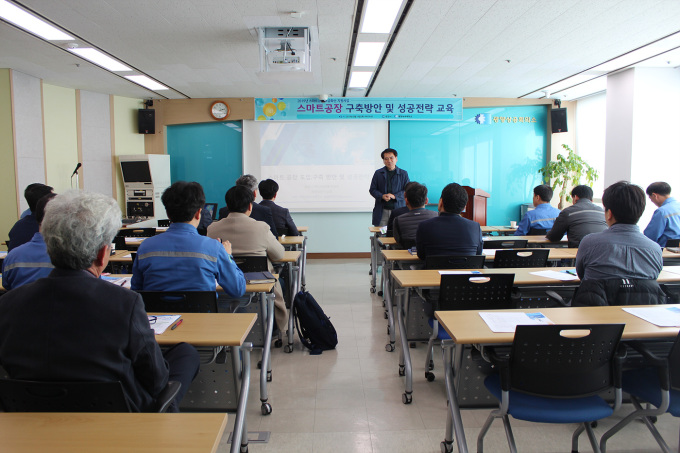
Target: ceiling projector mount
[{"x": 284, "y": 49}]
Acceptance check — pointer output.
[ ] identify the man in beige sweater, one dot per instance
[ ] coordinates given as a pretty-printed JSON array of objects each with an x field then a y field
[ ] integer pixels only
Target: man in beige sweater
[{"x": 250, "y": 237}]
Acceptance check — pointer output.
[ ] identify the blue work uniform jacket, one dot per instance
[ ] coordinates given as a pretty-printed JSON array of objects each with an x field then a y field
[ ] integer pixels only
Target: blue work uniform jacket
[
  {"x": 665, "y": 223},
  {"x": 182, "y": 260},
  {"x": 26, "y": 263}
]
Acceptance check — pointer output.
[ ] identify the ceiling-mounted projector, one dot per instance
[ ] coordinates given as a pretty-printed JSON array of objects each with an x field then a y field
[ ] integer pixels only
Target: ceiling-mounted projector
[{"x": 284, "y": 49}]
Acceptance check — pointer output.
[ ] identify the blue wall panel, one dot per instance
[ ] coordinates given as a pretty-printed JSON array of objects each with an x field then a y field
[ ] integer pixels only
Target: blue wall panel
[
  {"x": 209, "y": 153},
  {"x": 500, "y": 157}
]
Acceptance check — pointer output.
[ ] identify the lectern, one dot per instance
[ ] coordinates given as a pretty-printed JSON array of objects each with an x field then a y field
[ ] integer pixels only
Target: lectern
[{"x": 475, "y": 209}]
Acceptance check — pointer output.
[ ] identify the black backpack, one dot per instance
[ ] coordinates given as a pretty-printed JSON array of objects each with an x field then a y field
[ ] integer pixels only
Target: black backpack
[{"x": 314, "y": 328}]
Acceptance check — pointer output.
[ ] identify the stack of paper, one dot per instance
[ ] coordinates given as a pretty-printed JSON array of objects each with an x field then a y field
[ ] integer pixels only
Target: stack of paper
[
  {"x": 160, "y": 323},
  {"x": 508, "y": 321},
  {"x": 657, "y": 315}
]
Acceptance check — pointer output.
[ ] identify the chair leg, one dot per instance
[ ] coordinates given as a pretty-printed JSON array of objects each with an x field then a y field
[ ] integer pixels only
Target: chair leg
[
  {"x": 494, "y": 414},
  {"x": 592, "y": 438},
  {"x": 508, "y": 434},
  {"x": 642, "y": 414},
  {"x": 575, "y": 436}
]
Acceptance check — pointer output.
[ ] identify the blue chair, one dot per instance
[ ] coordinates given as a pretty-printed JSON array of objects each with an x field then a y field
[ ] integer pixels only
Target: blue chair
[
  {"x": 467, "y": 292},
  {"x": 554, "y": 374},
  {"x": 658, "y": 385}
]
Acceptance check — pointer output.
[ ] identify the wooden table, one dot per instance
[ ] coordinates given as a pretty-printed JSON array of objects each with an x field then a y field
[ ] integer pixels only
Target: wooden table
[
  {"x": 221, "y": 329},
  {"x": 303, "y": 229},
  {"x": 532, "y": 239},
  {"x": 407, "y": 280},
  {"x": 501, "y": 230},
  {"x": 467, "y": 327},
  {"x": 115, "y": 432}
]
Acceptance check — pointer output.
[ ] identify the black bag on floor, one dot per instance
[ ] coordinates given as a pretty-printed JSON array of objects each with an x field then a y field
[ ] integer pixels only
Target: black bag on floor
[{"x": 314, "y": 328}]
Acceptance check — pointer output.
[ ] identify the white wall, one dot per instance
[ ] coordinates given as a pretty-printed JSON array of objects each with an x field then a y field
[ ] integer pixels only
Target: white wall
[
  {"x": 591, "y": 126},
  {"x": 95, "y": 117},
  {"x": 619, "y": 135}
]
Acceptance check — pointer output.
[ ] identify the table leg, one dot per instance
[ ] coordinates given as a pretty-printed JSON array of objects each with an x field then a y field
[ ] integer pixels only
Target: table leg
[
  {"x": 405, "y": 358},
  {"x": 374, "y": 260},
  {"x": 389, "y": 347},
  {"x": 267, "y": 313},
  {"x": 303, "y": 264},
  {"x": 454, "y": 421},
  {"x": 294, "y": 273},
  {"x": 239, "y": 438}
]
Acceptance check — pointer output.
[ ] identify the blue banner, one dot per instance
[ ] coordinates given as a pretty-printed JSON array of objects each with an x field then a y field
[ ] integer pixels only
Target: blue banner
[{"x": 301, "y": 109}]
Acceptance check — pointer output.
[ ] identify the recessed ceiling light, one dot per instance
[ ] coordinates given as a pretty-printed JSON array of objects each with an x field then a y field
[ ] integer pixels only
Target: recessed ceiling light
[
  {"x": 368, "y": 53},
  {"x": 146, "y": 82},
  {"x": 100, "y": 59},
  {"x": 360, "y": 79},
  {"x": 379, "y": 16},
  {"x": 29, "y": 22}
]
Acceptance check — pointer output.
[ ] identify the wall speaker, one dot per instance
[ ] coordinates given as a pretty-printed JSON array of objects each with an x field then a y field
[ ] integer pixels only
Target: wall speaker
[
  {"x": 146, "y": 121},
  {"x": 558, "y": 120}
]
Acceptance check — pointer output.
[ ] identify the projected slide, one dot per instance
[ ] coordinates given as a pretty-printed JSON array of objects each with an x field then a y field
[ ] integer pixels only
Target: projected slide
[{"x": 322, "y": 166}]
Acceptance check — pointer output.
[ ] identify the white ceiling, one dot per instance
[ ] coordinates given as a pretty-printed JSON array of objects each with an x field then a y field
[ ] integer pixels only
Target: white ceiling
[{"x": 208, "y": 48}]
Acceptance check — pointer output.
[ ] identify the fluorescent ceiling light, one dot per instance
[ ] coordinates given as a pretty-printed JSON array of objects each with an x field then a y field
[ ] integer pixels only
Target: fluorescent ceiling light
[
  {"x": 379, "y": 16},
  {"x": 29, "y": 22},
  {"x": 146, "y": 82},
  {"x": 100, "y": 59},
  {"x": 360, "y": 79},
  {"x": 368, "y": 53},
  {"x": 585, "y": 89}
]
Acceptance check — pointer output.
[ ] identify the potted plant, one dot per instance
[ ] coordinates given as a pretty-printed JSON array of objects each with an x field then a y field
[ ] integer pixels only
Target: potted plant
[{"x": 566, "y": 172}]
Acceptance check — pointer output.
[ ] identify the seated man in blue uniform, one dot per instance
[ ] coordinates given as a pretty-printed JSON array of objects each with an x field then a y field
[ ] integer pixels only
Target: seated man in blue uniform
[
  {"x": 180, "y": 259},
  {"x": 665, "y": 223},
  {"x": 24, "y": 229},
  {"x": 449, "y": 233},
  {"x": 619, "y": 252},
  {"x": 542, "y": 217},
  {"x": 74, "y": 326},
  {"x": 29, "y": 261},
  {"x": 406, "y": 225},
  {"x": 260, "y": 213},
  {"x": 282, "y": 219}
]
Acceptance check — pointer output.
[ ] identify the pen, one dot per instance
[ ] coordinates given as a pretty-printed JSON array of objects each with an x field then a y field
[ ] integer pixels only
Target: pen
[{"x": 176, "y": 324}]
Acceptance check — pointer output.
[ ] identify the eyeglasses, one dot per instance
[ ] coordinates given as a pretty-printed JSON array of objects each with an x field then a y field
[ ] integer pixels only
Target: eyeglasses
[{"x": 152, "y": 319}]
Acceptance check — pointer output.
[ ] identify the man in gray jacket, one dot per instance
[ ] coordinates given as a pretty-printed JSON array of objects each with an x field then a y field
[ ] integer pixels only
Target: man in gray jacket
[
  {"x": 406, "y": 225},
  {"x": 578, "y": 220}
]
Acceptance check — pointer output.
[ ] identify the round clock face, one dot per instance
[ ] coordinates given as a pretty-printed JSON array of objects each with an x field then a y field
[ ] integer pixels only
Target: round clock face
[{"x": 219, "y": 110}]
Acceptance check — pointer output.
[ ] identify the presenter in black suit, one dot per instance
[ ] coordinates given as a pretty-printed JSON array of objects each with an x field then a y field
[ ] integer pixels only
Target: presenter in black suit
[
  {"x": 387, "y": 187},
  {"x": 73, "y": 326},
  {"x": 261, "y": 213}
]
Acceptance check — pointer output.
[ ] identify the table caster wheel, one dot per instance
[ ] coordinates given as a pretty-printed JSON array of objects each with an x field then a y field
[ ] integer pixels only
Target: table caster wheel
[
  {"x": 412, "y": 345},
  {"x": 266, "y": 408},
  {"x": 389, "y": 347},
  {"x": 446, "y": 447},
  {"x": 406, "y": 398},
  {"x": 373, "y": 290},
  {"x": 380, "y": 293},
  {"x": 269, "y": 376},
  {"x": 402, "y": 371},
  {"x": 429, "y": 375},
  {"x": 278, "y": 343},
  {"x": 288, "y": 348}
]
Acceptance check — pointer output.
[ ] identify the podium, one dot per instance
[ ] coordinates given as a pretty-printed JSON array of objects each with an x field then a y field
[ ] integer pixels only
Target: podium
[{"x": 475, "y": 209}]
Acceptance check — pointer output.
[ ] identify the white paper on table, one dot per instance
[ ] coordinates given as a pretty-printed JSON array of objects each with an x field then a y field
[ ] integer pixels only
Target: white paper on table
[
  {"x": 659, "y": 315},
  {"x": 489, "y": 252},
  {"x": 564, "y": 276},
  {"x": 3, "y": 254},
  {"x": 458, "y": 272},
  {"x": 119, "y": 281},
  {"x": 162, "y": 322},
  {"x": 507, "y": 321}
]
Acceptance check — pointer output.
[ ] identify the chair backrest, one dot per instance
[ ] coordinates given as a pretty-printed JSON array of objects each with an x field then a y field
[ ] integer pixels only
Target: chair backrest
[
  {"x": 475, "y": 291},
  {"x": 454, "y": 262},
  {"x": 119, "y": 242},
  {"x": 506, "y": 244},
  {"x": 212, "y": 207},
  {"x": 567, "y": 360},
  {"x": 39, "y": 396},
  {"x": 537, "y": 232},
  {"x": 180, "y": 301},
  {"x": 673, "y": 243},
  {"x": 251, "y": 263},
  {"x": 137, "y": 232},
  {"x": 521, "y": 258}
]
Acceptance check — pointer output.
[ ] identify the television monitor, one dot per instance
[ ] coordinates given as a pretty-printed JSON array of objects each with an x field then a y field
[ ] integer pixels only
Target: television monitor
[{"x": 135, "y": 171}]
